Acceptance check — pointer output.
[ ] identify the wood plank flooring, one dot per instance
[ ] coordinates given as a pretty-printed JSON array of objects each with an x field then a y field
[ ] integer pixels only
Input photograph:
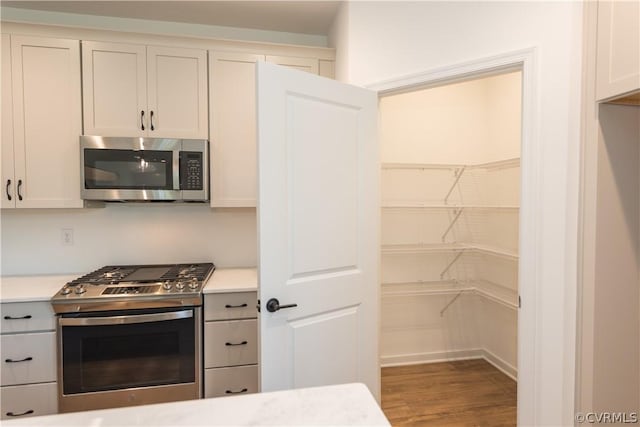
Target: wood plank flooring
[{"x": 460, "y": 393}]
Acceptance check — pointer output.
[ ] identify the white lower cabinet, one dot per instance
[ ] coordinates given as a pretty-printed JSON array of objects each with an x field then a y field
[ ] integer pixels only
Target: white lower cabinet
[
  {"x": 28, "y": 400},
  {"x": 28, "y": 356},
  {"x": 230, "y": 344},
  {"x": 230, "y": 381}
]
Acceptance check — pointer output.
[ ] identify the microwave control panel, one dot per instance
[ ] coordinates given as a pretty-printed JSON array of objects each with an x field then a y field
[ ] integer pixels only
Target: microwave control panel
[{"x": 191, "y": 170}]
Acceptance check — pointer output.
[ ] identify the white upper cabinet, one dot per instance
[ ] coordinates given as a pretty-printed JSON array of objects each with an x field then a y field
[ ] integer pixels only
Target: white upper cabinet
[
  {"x": 135, "y": 90},
  {"x": 618, "y": 49},
  {"x": 310, "y": 65},
  {"x": 8, "y": 175},
  {"x": 232, "y": 100},
  {"x": 46, "y": 104},
  {"x": 233, "y": 128}
]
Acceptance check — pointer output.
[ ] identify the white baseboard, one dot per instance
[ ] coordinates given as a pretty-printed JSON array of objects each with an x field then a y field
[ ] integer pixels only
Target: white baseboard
[
  {"x": 447, "y": 356},
  {"x": 508, "y": 369},
  {"x": 439, "y": 356}
]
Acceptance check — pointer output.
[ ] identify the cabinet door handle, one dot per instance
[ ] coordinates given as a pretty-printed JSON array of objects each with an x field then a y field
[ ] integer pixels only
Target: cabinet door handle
[
  {"x": 244, "y": 390},
  {"x": 142, "y": 120},
  {"x": 233, "y": 344},
  {"x": 28, "y": 316},
  {"x": 151, "y": 119},
  {"x": 26, "y": 359},
  {"x": 18, "y": 189},
  {"x": 11, "y": 414},
  {"x": 8, "y": 185},
  {"x": 235, "y": 306}
]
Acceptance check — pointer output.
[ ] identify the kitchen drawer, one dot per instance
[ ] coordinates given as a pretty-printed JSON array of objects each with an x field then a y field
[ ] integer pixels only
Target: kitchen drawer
[
  {"x": 42, "y": 399},
  {"x": 230, "y": 381},
  {"x": 235, "y": 305},
  {"x": 40, "y": 347},
  {"x": 26, "y": 317},
  {"x": 230, "y": 343}
]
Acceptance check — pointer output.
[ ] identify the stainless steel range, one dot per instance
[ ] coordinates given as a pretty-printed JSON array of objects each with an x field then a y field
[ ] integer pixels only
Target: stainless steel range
[{"x": 130, "y": 335}]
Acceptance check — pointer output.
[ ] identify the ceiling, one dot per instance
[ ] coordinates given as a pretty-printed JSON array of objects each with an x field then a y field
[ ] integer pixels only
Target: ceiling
[{"x": 304, "y": 17}]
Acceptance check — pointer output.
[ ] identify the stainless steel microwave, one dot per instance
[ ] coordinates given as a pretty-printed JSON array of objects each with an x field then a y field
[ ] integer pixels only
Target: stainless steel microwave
[{"x": 144, "y": 169}]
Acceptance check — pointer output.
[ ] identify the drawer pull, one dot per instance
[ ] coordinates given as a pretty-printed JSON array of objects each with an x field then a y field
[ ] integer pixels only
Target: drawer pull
[
  {"x": 244, "y": 390},
  {"x": 28, "y": 316},
  {"x": 231, "y": 344},
  {"x": 30, "y": 411},
  {"x": 235, "y": 306},
  {"x": 26, "y": 359}
]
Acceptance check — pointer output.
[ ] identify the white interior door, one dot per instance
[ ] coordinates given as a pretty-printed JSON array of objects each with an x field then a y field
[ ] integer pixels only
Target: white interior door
[{"x": 318, "y": 205}]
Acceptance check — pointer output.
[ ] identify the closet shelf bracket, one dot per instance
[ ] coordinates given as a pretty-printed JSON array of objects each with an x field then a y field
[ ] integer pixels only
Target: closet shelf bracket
[
  {"x": 457, "y": 213},
  {"x": 458, "y": 174},
  {"x": 450, "y": 302},
  {"x": 457, "y": 257}
]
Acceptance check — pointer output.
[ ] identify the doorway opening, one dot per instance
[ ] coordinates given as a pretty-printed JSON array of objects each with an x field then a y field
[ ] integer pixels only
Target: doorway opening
[{"x": 450, "y": 219}]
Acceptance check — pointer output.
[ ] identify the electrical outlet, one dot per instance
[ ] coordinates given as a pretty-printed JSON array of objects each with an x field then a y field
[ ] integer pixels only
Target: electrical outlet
[{"x": 67, "y": 237}]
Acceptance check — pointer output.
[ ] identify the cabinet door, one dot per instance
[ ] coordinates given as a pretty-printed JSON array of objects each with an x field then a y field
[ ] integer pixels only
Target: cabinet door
[
  {"x": 114, "y": 82},
  {"x": 8, "y": 178},
  {"x": 233, "y": 128},
  {"x": 28, "y": 358},
  {"x": 177, "y": 92},
  {"x": 30, "y": 400},
  {"x": 618, "y": 48},
  {"x": 309, "y": 65},
  {"x": 47, "y": 121}
]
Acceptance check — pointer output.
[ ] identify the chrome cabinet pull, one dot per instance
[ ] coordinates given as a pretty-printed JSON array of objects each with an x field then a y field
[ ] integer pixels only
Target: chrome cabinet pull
[
  {"x": 26, "y": 359},
  {"x": 28, "y": 316},
  {"x": 142, "y": 120},
  {"x": 18, "y": 189},
  {"x": 151, "y": 115},
  {"x": 11, "y": 414},
  {"x": 8, "y": 185}
]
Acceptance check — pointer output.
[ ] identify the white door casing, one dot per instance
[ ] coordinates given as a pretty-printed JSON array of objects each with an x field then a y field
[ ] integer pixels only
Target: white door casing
[{"x": 318, "y": 219}]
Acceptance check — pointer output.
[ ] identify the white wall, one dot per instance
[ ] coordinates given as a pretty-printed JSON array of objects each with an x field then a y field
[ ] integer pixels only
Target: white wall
[
  {"x": 472, "y": 122},
  {"x": 388, "y": 40},
  {"x": 125, "y": 234}
]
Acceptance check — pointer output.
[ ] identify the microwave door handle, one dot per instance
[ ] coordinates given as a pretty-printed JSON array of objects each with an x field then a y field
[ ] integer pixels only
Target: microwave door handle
[
  {"x": 125, "y": 320},
  {"x": 176, "y": 170}
]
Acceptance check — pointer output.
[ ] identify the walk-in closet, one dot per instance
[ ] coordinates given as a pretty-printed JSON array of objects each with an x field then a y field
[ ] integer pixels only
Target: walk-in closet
[{"x": 450, "y": 220}]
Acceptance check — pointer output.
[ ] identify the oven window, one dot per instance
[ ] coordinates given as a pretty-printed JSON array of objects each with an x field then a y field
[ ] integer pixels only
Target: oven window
[
  {"x": 111, "y": 357},
  {"x": 128, "y": 169}
]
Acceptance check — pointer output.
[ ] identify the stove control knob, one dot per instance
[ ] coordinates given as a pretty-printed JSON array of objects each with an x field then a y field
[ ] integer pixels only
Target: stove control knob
[
  {"x": 80, "y": 289},
  {"x": 166, "y": 286},
  {"x": 66, "y": 290},
  {"x": 194, "y": 283},
  {"x": 180, "y": 286}
]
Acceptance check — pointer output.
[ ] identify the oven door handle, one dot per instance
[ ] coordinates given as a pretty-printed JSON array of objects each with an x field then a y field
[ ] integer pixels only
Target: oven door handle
[{"x": 125, "y": 320}]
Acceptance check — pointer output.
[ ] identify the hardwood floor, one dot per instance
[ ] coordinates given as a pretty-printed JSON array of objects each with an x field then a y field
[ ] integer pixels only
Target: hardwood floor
[{"x": 460, "y": 393}]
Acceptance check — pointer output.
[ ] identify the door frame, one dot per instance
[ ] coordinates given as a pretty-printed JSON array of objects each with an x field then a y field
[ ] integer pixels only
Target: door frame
[{"x": 531, "y": 371}]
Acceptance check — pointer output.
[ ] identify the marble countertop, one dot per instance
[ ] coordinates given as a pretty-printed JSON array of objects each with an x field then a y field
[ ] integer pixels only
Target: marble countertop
[
  {"x": 32, "y": 288},
  {"x": 337, "y": 405},
  {"x": 232, "y": 280}
]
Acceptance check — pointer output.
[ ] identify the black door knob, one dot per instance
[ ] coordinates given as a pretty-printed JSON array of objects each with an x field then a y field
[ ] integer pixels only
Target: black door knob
[{"x": 273, "y": 305}]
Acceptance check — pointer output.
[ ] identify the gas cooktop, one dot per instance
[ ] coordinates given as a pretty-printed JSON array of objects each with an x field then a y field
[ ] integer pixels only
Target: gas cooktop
[{"x": 134, "y": 286}]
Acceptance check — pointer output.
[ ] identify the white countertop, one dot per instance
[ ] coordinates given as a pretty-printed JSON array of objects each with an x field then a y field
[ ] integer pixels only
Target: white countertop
[
  {"x": 232, "y": 280},
  {"x": 338, "y": 405},
  {"x": 32, "y": 288},
  {"x": 42, "y": 288}
]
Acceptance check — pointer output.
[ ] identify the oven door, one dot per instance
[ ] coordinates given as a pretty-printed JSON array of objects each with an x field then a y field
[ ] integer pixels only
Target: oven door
[{"x": 111, "y": 359}]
